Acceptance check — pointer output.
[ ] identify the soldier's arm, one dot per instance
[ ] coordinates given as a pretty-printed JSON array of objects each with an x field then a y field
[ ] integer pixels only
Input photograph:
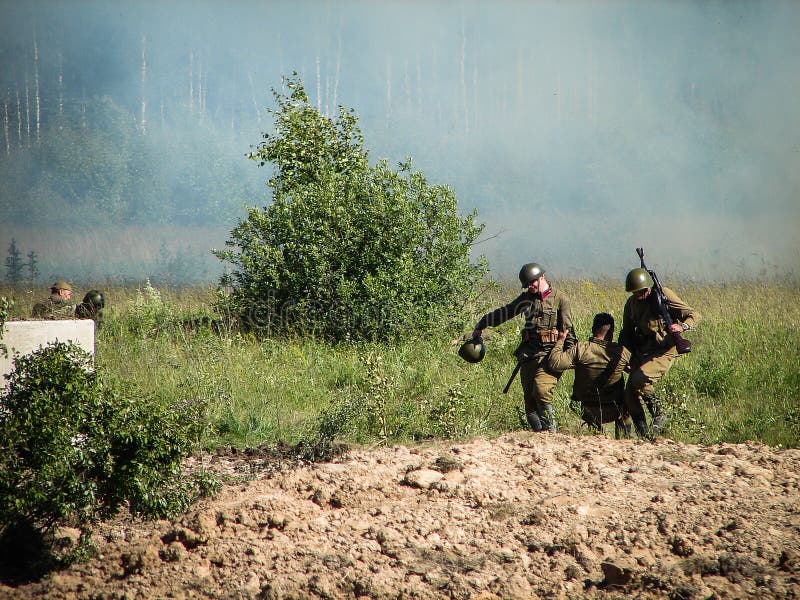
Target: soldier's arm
[
  {"x": 561, "y": 358},
  {"x": 680, "y": 311},
  {"x": 626, "y": 332},
  {"x": 565, "y": 321},
  {"x": 502, "y": 314}
]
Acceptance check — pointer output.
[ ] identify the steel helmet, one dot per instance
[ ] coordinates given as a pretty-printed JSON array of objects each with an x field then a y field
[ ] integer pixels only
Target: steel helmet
[
  {"x": 637, "y": 280},
  {"x": 529, "y": 272},
  {"x": 95, "y": 299},
  {"x": 473, "y": 350}
]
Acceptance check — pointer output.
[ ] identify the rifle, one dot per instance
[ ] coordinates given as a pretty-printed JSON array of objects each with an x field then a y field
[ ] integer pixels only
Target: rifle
[
  {"x": 681, "y": 344},
  {"x": 513, "y": 374}
]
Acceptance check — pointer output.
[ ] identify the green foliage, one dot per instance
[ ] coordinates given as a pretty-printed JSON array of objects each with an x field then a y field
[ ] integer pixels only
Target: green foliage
[
  {"x": 712, "y": 377},
  {"x": 733, "y": 386},
  {"x": 148, "y": 311},
  {"x": 346, "y": 250},
  {"x": 363, "y": 413},
  {"x": 5, "y": 311},
  {"x": 14, "y": 264},
  {"x": 75, "y": 448}
]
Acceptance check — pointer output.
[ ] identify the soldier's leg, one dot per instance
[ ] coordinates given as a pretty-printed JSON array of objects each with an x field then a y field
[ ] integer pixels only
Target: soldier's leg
[
  {"x": 544, "y": 382},
  {"x": 660, "y": 417},
  {"x": 653, "y": 370},
  {"x": 593, "y": 417},
  {"x": 526, "y": 375},
  {"x": 623, "y": 428},
  {"x": 633, "y": 401}
]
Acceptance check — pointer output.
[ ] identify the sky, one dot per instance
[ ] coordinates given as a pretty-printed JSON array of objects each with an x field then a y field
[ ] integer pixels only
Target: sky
[{"x": 578, "y": 130}]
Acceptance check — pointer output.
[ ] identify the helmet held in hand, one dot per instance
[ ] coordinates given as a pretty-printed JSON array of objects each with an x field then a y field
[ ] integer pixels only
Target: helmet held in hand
[{"x": 473, "y": 350}]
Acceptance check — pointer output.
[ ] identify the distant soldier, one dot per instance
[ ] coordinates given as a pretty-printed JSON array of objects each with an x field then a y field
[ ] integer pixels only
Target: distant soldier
[
  {"x": 599, "y": 385},
  {"x": 653, "y": 351},
  {"x": 58, "y": 305},
  {"x": 546, "y": 311},
  {"x": 91, "y": 307}
]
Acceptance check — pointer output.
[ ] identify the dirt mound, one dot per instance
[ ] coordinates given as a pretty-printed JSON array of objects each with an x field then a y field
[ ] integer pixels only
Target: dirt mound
[{"x": 522, "y": 516}]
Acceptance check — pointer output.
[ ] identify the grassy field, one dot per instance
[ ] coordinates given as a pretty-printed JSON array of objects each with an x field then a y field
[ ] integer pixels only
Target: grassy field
[{"x": 740, "y": 382}]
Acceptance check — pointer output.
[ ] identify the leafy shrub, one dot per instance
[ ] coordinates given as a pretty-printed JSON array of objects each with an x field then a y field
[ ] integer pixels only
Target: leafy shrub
[
  {"x": 75, "y": 449},
  {"x": 148, "y": 311},
  {"x": 346, "y": 250}
]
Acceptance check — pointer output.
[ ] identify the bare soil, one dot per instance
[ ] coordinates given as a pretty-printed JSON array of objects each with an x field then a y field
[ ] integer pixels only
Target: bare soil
[{"x": 523, "y": 516}]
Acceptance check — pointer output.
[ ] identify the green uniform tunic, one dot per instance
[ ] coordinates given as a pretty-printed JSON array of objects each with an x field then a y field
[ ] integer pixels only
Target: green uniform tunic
[
  {"x": 54, "y": 307},
  {"x": 85, "y": 310},
  {"x": 645, "y": 334},
  {"x": 643, "y": 329},
  {"x": 544, "y": 317},
  {"x": 599, "y": 383}
]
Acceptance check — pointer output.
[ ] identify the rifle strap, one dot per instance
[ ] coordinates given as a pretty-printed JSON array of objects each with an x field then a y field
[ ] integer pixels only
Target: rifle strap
[{"x": 602, "y": 379}]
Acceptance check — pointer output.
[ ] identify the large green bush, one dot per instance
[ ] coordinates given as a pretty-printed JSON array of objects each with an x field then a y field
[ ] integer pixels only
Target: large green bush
[
  {"x": 75, "y": 449},
  {"x": 345, "y": 249}
]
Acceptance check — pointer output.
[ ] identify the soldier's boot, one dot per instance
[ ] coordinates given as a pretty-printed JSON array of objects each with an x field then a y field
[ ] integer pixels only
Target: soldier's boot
[
  {"x": 656, "y": 409},
  {"x": 623, "y": 430},
  {"x": 533, "y": 421},
  {"x": 547, "y": 416},
  {"x": 640, "y": 423}
]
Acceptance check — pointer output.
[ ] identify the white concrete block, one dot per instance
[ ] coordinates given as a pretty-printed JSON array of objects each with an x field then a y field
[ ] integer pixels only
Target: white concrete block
[{"x": 23, "y": 337}]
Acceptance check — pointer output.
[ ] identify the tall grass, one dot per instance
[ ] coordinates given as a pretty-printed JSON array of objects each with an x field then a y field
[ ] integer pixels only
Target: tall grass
[{"x": 740, "y": 382}]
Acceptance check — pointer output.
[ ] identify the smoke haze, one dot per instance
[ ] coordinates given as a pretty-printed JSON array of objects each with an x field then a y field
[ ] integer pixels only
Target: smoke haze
[{"x": 579, "y": 130}]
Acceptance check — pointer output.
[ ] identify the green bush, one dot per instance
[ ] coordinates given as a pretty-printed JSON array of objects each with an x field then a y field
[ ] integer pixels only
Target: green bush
[
  {"x": 75, "y": 449},
  {"x": 347, "y": 250}
]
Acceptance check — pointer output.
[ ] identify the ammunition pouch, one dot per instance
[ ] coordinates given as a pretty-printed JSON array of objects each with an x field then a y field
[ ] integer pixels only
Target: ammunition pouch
[
  {"x": 548, "y": 336},
  {"x": 540, "y": 336}
]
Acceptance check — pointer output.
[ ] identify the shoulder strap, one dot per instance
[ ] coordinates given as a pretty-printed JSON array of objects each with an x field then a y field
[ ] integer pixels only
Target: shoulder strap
[{"x": 612, "y": 365}]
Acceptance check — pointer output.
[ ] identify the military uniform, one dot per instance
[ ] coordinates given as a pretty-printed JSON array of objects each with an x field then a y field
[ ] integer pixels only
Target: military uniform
[
  {"x": 599, "y": 384},
  {"x": 85, "y": 310},
  {"x": 54, "y": 307},
  {"x": 544, "y": 317},
  {"x": 645, "y": 334},
  {"x": 91, "y": 307}
]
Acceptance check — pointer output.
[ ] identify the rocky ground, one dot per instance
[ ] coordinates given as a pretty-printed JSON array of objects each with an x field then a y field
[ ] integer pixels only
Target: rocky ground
[{"x": 522, "y": 516}]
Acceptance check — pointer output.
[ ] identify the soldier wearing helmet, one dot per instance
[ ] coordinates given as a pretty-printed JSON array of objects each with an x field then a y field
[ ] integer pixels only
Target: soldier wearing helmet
[
  {"x": 546, "y": 312},
  {"x": 92, "y": 306},
  {"x": 645, "y": 334},
  {"x": 58, "y": 305}
]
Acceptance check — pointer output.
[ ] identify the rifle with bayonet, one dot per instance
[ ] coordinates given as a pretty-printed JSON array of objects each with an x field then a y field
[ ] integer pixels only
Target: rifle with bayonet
[{"x": 682, "y": 345}]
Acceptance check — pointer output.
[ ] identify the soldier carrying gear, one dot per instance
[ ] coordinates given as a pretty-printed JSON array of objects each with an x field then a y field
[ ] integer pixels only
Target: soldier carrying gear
[
  {"x": 546, "y": 312},
  {"x": 58, "y": 305},
  {"x": 646, "y": 335},
  {"x": 92, "y": 306},
  {"x": 599, "y": 383}
]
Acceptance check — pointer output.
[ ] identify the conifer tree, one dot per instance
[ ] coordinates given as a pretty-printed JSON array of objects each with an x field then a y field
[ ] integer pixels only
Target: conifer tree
[
  {"x": 13, "y": 264},
  {"x": 33, "y": 267}
]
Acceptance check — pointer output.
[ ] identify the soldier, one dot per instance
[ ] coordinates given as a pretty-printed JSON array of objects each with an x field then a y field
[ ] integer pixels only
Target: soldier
[
  {"x": 91, "y": 307},
  {"x": 546, "y": 311},
  {"x": 644, "y": 333},
  {"x": 599, "y": 385},
  {"x": 58, "y": 305}
]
